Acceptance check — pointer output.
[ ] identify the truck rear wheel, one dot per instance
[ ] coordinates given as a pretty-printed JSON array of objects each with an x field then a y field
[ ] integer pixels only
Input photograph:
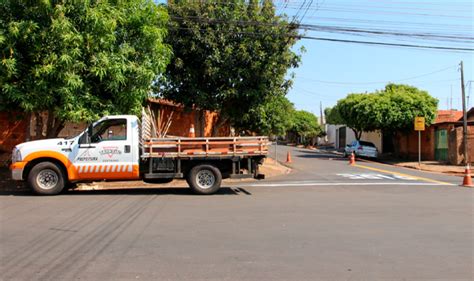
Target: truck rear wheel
[
  {"x": 46, "y": 178},
  {"x": 204, "y": 179}
]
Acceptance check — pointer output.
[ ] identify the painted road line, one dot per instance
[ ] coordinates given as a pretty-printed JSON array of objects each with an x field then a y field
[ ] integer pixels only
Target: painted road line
[
  {"x": 343, "y": 184},
  {"x": 403, "y": 175},
  {"x": 379, "y": 176}
]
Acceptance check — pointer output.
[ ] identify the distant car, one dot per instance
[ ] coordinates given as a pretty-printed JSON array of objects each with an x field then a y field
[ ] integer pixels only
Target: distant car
[{"x": 361, "y": 148}]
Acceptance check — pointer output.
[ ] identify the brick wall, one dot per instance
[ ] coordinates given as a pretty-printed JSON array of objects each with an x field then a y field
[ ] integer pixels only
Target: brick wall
[
  {"x": 407, "y": 144},
  {"x": 456, "y": 145},
  {"x": 12, "y": 130},
  {"x": 181, "y": 120}
]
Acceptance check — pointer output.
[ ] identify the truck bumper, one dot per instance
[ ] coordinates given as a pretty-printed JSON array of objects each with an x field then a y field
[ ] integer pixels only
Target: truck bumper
[{"x": 17, "y": 170}]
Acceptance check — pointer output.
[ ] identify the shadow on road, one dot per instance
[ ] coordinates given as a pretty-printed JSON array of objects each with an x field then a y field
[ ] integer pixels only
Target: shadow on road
[{"x": 136, "y": 191}]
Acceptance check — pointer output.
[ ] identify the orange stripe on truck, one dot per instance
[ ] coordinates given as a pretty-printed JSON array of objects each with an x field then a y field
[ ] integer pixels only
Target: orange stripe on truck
[{"x": 98, "y": 172}]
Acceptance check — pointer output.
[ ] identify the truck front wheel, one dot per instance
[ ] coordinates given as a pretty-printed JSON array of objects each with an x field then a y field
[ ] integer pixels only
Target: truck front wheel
[
  {"x": 204, "y": 179},
  {"x": 46, "y": 178}
]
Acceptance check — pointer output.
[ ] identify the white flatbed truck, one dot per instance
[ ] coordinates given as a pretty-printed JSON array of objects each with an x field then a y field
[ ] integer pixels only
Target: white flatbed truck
[{"x": 116, "y": 148}]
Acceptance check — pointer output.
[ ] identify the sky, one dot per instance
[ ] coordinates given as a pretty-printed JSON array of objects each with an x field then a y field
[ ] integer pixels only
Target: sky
[{"x": 331, "y": 70}]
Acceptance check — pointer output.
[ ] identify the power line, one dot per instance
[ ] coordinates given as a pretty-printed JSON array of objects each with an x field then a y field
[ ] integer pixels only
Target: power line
[
  {"x": 343, "y": 30},
  {"x": 389, "y": 44},
  {"x": 444, "y": 48},
  {"x": 380, "y": 32}
]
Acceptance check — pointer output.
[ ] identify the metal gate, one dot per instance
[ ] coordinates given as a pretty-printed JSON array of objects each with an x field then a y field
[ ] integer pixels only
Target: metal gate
[
  {"x": 342, "y": 137},
  {"x": 441, "y": 145}
]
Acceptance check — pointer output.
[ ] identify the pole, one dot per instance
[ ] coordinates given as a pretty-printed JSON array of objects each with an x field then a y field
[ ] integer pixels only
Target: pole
[
  {"x": 276, "y": 145},
  {"x": 464, "y": 125},
  {"x": 419, "y": 150}
]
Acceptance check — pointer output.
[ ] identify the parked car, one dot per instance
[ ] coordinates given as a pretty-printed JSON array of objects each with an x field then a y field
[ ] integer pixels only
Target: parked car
[{"x": 361, "y": 148}]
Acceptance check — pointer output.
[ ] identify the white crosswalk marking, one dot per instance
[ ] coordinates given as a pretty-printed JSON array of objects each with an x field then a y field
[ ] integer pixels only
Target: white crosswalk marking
[{"x": 375, "y": 177}]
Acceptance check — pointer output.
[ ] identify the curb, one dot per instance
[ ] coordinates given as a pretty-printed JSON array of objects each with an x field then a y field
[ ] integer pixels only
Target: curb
[{"x": 460, "y": 174}]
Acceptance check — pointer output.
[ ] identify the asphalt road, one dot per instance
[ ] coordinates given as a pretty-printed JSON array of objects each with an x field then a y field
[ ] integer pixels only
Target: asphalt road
[{"x": 324, "y": 221}]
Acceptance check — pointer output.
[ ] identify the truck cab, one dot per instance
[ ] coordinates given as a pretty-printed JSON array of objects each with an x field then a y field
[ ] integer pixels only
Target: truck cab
[{"x": 107, "y": 149}]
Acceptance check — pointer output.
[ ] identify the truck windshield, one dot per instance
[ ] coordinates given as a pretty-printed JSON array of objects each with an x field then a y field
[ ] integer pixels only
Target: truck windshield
[{"x": 111, "y": 129}]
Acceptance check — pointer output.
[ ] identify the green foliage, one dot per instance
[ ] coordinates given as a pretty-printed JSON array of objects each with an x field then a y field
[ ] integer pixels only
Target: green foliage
[
  {"x": 230, "y": 57},
  {"x": 404, "y": 103},
  {"x": 305, "y": 124},
  {"x": 392, "y": 109},
  {"x": 80, "y": 59},
  {"x": 332, "y": 116},
  {"x": 274, "y": 117}
]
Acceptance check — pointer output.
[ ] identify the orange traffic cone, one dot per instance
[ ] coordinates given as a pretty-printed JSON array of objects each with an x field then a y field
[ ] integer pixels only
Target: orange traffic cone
[
  {"x": 192, "y": 134},
  {"x": 288, "y": 157},
  {"x": 352, "y": 159},
  {"x": 467, "y": 181}
]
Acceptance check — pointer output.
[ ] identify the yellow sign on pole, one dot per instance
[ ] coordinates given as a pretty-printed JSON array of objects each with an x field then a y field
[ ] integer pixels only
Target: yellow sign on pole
[{"x": 419, "y": 123}]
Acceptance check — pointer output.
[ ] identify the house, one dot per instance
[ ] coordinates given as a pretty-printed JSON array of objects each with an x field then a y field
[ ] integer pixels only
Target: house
[
  {"x": 441, "y": 141},
  {"x": 340, "y": 135}
]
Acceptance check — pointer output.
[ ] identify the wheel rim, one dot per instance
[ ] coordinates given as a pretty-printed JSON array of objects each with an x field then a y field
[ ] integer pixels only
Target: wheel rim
[
  {"x": 205, "y": 179},
  {"x": 47, "y": 179}
]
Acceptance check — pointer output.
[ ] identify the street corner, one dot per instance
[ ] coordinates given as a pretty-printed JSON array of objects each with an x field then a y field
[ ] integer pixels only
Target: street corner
[{"x": 272, "y": 168}]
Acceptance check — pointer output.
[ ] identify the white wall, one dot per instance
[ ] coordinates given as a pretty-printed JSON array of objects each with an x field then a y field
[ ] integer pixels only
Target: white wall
[{"x": 332, "y": 132}]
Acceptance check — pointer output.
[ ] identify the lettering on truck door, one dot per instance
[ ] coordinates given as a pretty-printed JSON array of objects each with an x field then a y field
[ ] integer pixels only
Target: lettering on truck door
[{"x": 109, "y": 154}]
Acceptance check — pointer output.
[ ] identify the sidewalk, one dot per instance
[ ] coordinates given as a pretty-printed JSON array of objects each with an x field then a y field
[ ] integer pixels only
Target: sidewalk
[
  {"x": 434, "y": 166},
  {"x": 269, "y": 169},
  {"x": 430, "y": 166}
]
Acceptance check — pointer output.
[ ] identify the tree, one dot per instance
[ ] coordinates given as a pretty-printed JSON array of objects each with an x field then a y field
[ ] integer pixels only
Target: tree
[
  {"x": 230, "y": 56},
  {"x": 360, "y": 112},
  {"x": 306, "y": 125},
  {"x": 332, "y": 116},
  {"x": 392, "y": 109},
  {"x": 403, "y": 104},
  {"x": 79, "y": 60},
  {"x": 274, "y": 117}
]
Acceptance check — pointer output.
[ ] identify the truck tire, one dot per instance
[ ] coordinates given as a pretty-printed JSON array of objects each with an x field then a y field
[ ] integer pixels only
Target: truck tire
[
  {"x": 204, "y": 179},
  {"x": 46, "y": 178}
]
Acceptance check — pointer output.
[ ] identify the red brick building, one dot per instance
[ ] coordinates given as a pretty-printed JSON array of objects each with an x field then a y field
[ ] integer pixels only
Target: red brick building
[{"x": 442, "y": 141}]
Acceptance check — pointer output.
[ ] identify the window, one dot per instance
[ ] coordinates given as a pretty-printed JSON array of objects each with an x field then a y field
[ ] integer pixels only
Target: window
[
  {"x": 366, "y": 143},
  {"x": 110, "y": 130}
]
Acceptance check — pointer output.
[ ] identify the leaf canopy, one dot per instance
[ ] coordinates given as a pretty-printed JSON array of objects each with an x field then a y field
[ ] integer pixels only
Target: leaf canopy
[
  {"x": 391, "y": 109},
  {"x": 80, "y": 59},
  {"x": 229, "y": 56}
]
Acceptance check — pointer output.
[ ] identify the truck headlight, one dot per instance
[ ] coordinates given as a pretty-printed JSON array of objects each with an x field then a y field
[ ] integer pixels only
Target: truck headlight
[{"x": 16, "y": 155}]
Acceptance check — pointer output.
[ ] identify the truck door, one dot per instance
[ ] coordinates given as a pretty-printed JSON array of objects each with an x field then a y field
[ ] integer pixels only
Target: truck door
[{"x": 108, "y": 155}]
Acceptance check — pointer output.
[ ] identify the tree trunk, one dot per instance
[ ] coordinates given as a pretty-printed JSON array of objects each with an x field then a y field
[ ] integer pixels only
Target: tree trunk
[
  {"x": 49, "y": 124},
  {"x": 29, "y": 119},
  {"x": 38, "y": 126},
  {"x": 220, "y": 122},
  {"x": 54, "y": 125},
  {"x": 358, "y": 134},
  {"x": 396, "y": 144}
]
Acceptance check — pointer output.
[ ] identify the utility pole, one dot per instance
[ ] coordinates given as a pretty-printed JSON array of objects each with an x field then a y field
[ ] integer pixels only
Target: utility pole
[
  {"x": 464, "y": 132},
  {"x": 451, "y": 104},
  {"x": 321, "y": 113}
]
